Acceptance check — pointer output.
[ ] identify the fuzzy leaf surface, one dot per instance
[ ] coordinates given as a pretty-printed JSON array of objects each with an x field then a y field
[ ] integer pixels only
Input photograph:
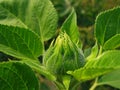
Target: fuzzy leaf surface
[
  {"x": 107, "y": 25},
  {"x": 112, "y": 79},
  {"x": 112, "y": 43},
  {"x": 105, "y": 63},
  {"x": 17, "y": 76},
  {"x": 20, "y": 43},
  {"x": 71, "y": 28},
  {"x": 63, "y": 56},
  {"x": 37, "y": 15}
]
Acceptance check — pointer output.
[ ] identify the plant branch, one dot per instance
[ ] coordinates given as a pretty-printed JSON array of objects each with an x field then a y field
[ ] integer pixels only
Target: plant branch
[
  {"x": 94, "y": 85},
  {"x": 100, "y": 50}
]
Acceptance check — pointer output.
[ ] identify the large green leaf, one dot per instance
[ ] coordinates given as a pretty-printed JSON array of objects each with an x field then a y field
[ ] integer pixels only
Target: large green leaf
[
  {"x": 113, "y": 42},
  {"x": 112, "y": 79},
  {"x": 105, "y": 63},
  {"x": 20, "y": 43},
  {"x": 71, "y": 28},
  {"x": 107, "y": 25},
  {"x": 37, "y": 15},
  {"x": 17, "y": 76}
]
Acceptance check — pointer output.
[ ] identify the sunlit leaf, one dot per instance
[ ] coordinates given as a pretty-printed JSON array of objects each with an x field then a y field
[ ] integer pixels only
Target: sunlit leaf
[
  {"x": 71, "y": 28},
  {"x": 37, "y": 15},
  {"x": 112, "y": 79},
  {"x": 112, "y": 43},
  {"x": 105, "y": 63},
  {"x": 19, "y": 42}
]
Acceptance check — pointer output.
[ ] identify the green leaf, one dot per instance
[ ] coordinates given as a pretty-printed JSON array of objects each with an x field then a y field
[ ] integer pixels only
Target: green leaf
[
  {"x": 105, "y": 63},
  {"x": 107, "y": 25},
  {"x": 112, "y": 79},
  {"x": 71, "y": 28},
  {"x": 94, "y": 52},
  {"x": 17, "y": 76},
  {"x": 20, "y": 43},
  {"x": 112, "y": 43},
  {"x": 37, "y": 15},
  {"x": 87, "y": 51},
  {"x": 39, "y": 69}
]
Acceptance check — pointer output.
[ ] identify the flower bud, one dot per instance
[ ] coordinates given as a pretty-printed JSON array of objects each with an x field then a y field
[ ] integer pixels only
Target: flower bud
[{"x": 63, "y": 56}]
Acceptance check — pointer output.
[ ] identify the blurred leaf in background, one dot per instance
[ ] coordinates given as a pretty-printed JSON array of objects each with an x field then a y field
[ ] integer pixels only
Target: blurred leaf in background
[{"x": 87, "y": 10}]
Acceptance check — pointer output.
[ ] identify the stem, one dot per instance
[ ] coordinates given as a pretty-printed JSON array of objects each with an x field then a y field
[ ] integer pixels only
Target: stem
[
  {"x": 60, "y": 86},
  {"x": 75, "y": 86},
  {"x": 100, "y": 51},
  {"x": 94, "y": 85}
]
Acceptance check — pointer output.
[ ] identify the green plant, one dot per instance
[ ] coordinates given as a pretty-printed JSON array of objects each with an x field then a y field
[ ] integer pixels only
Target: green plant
[
  {"x": 86, "y": 10},
  {"x": 24, "y": 27}
]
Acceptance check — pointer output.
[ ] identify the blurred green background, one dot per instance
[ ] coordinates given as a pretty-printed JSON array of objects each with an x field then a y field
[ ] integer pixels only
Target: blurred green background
[{"x": 86, "y": 10}]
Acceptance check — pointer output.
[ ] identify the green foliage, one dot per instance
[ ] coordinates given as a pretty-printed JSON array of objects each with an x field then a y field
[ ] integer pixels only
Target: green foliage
[
  {"x": 107, "y": 25},
  {"x": 20, "y": 43},
  {"x": 113, "y": 42},
  {"x": 26, "y": 24},
  {"x": 94, "y": 52},
  {"x": 105, "y": 63},
  {"x": 31, "y": 14},
  {"x": 112, "y": 79},
  {"x": 86, "y": 10},
  {"x": 17, "y": 76},
  {"x": 64, "y": 55},
  {"x": 40, "y": 69},
  {"x": 100, "y": 63},
  {"x": 70, "y": 27}
]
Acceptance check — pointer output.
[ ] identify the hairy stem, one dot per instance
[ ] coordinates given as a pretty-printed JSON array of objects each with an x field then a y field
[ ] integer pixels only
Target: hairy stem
[
  {"x": 94, "y": 85},
  {"x": 100, "y": 50}
]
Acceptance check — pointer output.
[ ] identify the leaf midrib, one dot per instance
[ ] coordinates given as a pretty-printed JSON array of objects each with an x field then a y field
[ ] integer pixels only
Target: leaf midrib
[
  {"x": 106, "y": 27},
  {"x": 15, "y": 32},
  {"x": 118, "y": 24},
  {"x": 16, "y": 75},
  {"x": 6, "y": 83},
  {"x": 23, "y": 57},
  {"x": 25, "y": 26}
]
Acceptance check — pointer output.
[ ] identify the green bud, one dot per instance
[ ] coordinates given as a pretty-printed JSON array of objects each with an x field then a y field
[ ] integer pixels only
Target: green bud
[{"x": 63, "y": 56}]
